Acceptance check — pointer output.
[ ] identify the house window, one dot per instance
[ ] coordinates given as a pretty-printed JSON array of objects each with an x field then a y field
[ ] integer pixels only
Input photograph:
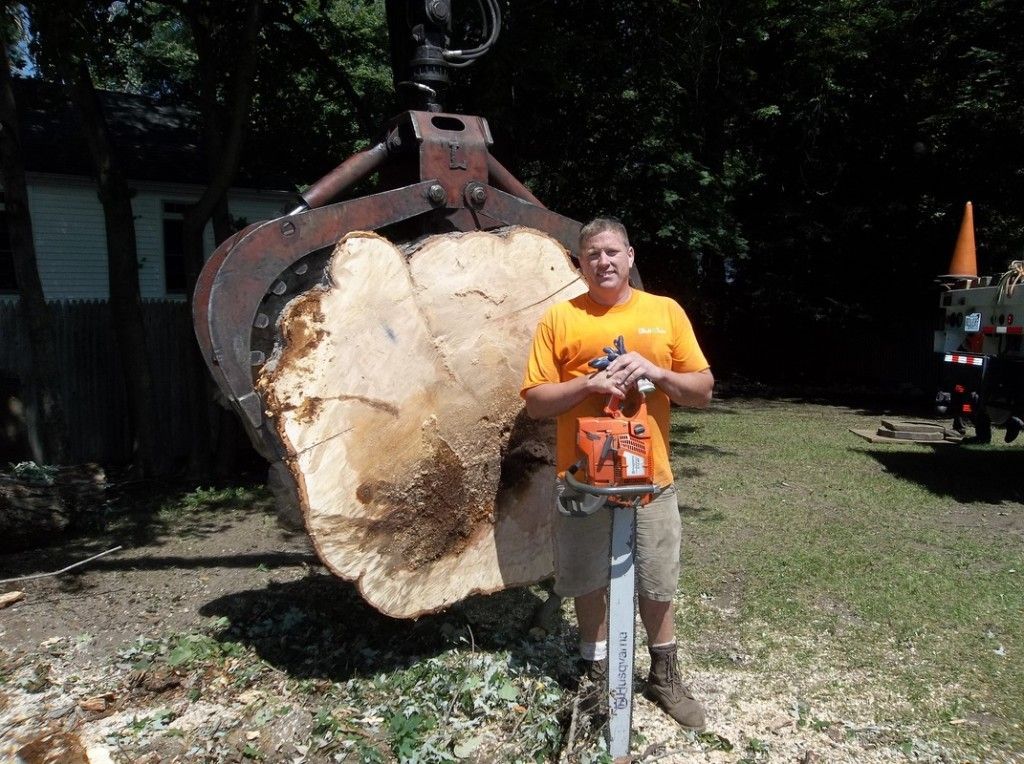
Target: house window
[
  {"x": 7, "y": 280},
  {"x": 174, "y": 246}
]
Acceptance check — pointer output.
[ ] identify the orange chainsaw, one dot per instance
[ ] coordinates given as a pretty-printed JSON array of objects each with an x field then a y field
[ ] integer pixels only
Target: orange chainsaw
[{"x": 615, "y": 452}]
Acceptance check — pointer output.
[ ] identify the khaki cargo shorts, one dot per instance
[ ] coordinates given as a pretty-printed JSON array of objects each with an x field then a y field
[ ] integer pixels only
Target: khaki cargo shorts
[{"x": 583, "y": 547}]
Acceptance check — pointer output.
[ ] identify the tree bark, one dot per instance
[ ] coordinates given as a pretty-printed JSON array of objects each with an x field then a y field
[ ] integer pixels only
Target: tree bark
[
  {"x": 224, "y": 127},
  {"x": 123, "y": 271},
  {"x": 32, "y": 302},
  {"x": 61, "y": 48},
  {"x": 394, "y": 392}
]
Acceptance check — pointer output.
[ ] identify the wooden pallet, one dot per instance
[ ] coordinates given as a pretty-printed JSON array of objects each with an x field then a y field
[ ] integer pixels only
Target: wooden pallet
[{"x": 896, "y": 431}]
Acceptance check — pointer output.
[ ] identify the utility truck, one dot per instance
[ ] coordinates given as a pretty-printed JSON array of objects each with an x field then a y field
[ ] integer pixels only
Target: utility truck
[{"x": 978, "y": 343}]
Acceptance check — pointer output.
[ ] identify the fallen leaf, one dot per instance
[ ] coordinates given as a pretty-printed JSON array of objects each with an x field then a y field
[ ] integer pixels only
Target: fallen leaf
[
  {"x": 465, "y": 748},
  {"x": 508, "y": 691},
  {"x": 97, "y": 754},
  {"x": 250, "y": 696}
]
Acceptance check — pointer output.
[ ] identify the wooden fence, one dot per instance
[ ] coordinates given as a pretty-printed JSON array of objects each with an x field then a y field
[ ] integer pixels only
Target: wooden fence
[{"x": 91, "y": 380}]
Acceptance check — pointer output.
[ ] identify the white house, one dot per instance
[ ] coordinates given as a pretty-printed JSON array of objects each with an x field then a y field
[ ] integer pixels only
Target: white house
[{"x": 157, "y": 147}]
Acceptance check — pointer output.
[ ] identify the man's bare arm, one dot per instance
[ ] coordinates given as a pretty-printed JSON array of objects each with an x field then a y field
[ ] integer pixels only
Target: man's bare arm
[
  {"x": 687, "y": 388},
  {"x": 554, "y": 398}
]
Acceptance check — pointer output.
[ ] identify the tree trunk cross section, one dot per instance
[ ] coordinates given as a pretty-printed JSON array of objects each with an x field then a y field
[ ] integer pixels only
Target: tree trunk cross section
[{"x": 395, "y": 392}]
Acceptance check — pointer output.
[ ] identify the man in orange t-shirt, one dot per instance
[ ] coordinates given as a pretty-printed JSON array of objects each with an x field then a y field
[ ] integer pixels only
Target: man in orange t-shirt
[{"x": 560, "y": 384}]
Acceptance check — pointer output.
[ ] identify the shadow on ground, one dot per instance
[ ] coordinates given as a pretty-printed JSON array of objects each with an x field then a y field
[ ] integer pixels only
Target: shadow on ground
[
  {"x": 681, "y": 448},
  {"x": 702, "y": 514},
  {"x": 146, "y": 515},
  {"x": 320, "y": 628},
  {"x": 909, "y": 403},
  {"x": 968, "y": 475},
  {"x": 68, "y": 551}
]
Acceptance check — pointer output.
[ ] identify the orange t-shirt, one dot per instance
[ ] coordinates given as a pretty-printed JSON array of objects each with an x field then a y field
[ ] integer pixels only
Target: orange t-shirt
[{"x": 574, "y": 332}]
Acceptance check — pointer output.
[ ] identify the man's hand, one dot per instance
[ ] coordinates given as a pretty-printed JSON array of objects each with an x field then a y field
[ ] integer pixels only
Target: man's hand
[
  {"x": 608, "y": 383},
  {"x": 691, "y": 388},
  {"x": 626, "y": 370}
]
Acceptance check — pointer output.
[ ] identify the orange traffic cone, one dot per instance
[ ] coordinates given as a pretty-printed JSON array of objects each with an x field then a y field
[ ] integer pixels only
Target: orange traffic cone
[{"x": 965, "y": 259}]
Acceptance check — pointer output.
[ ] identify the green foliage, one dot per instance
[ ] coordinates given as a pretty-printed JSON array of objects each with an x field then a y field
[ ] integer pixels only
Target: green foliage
[
  {"x": 406, "y": 732},
  {"x": 437, "y": 709},
  {"x": 185, "y": 650},
  {"x": 712, "y": 741},
  {"x": 218, "y": 498},
  {"x": 43, "y": 474},
  {"x": 323, "y": 79},
  {"x": 155, "y": 722},
  {"x": 200, "y": 501}
]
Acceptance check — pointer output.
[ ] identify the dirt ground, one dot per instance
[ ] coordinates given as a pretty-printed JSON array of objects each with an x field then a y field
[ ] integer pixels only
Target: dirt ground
[{"x": 162, "y": 579}]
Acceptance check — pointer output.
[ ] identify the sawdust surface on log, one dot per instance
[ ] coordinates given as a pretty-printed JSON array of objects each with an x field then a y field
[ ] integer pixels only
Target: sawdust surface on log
[{"x": 395, "y": 394}]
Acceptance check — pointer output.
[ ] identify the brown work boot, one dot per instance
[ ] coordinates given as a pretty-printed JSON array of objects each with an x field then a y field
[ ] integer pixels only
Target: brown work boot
[
  {"x": 593, "y": 686},
  {"x": 665, "y": 688}
]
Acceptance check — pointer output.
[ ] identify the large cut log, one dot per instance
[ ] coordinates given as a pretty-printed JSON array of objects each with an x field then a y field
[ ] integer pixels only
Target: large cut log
[{"x": 394, "y": 391}]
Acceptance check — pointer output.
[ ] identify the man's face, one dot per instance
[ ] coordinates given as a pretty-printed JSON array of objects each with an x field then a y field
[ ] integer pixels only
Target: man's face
[{"x": 605, "y": 260}]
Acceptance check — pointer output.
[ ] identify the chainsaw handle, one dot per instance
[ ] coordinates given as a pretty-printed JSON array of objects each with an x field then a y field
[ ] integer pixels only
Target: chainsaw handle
[
  {"x": 595, "y": 490},
  {"x": 586, "y": 499},
  {"x": 637, "y": 405},
  {"x": 579, "y": 505}
]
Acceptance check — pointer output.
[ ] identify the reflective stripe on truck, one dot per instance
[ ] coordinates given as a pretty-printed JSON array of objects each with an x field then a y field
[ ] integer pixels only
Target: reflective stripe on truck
[{"x": 970, "y": 360}]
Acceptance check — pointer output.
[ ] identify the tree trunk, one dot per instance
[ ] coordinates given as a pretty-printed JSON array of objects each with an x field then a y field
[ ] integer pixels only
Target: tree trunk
[
  {"x": 123, "y": 269},
  {"x": 32, "y": 302},
  {"x": 224, "y": 133},
  {"x": 394, "y": 391}
]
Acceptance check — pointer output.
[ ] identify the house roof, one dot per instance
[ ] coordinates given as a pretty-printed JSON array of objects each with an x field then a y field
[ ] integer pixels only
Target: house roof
[{"x": 153, "y": 141}]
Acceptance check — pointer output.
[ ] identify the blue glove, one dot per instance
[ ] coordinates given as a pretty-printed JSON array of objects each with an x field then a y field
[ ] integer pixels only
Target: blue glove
[{"x": 610, "y": 354}]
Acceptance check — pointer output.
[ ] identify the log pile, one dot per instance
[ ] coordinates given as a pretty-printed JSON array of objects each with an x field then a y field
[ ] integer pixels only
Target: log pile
[{"x": 394, "y": 392}]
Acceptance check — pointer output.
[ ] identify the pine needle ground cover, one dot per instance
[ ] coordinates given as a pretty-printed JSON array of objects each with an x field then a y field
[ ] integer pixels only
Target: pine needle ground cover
[{"x": 881, "y": 587}]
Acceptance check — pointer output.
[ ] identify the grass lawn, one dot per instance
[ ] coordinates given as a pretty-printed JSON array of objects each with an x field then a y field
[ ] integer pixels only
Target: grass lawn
[{"x": 878, "y": 579}]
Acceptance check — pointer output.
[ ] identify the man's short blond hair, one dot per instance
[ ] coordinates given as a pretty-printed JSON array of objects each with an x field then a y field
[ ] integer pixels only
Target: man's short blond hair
[{"x": 600, "y": 225}]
